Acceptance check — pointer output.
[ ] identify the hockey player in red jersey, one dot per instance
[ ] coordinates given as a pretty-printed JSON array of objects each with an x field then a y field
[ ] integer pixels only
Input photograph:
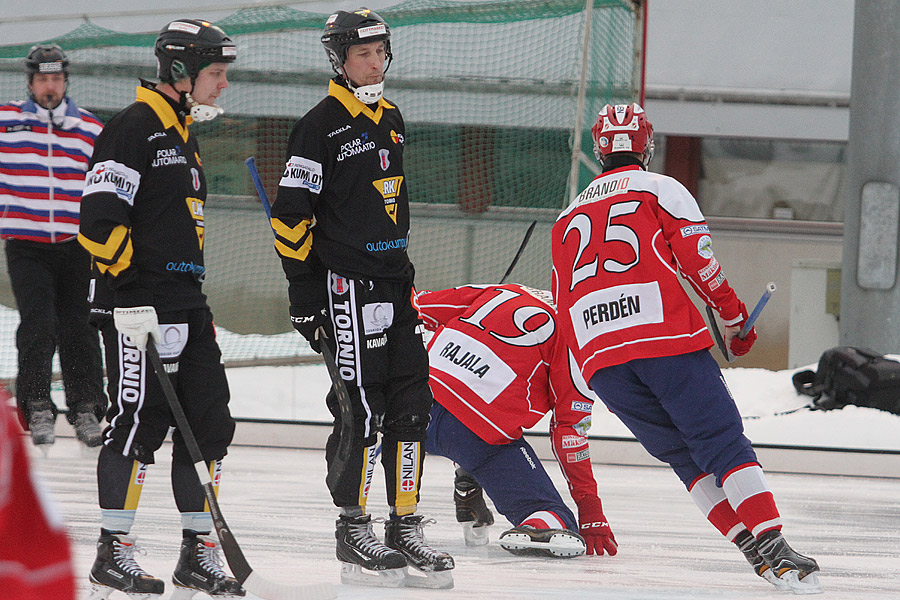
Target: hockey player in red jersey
[
  {"x": 497, "y": 366},
  {"x": 618, "y": 250},
  {"x": 35, "y": 559}
]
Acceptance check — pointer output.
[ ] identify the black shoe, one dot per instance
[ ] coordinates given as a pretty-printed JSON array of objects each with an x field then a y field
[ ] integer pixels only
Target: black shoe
[
  {"x": 526, "y": 540},
  {"x": 357, "y": 544},
  {"x": 88, "y": 430},
  {"x": 796, "y": 570},
  {"x": 364, "y": 559},
  {"x": 199, "y": 569},
  {"x": 41, "y": 424},
  {"x": 115, "y": 569},
  {"x": 468, "y": 496},
  {"x": 405, "y": 534},
  {"x": 746, "y": 543}
]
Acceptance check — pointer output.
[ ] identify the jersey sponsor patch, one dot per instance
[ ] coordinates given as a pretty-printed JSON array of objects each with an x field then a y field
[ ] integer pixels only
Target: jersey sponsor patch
[
  {"x": 472, "y": 363},
  {"x": 384, "y": 160},
  {"x": 174, "y": 339},
  {"x": 709, "y": 270},
  {"x": 604, "y": 311},
  {"x": 578, "y": 456},
  {"x": 357, "y": 146},
  {"x": 573, "y": 441},
  {"x": 586, "y": 407},
  {"x": 715, "y": 283},
  {"x": 339, "y": 285},
  {"x": 397, "y": 138},
  {"x": 583, "y": 426},
  {"x": 704, "y": 247},
  {"x": 377, "y": 317},
  {"x": 694, "y": 230},
  {"x": 302, "y": 172},
  {"x": 113, "y": 177}
]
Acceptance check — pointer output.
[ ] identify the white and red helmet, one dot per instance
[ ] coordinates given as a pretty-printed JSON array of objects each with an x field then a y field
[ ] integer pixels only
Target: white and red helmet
[{"x": 623, "y": 128}]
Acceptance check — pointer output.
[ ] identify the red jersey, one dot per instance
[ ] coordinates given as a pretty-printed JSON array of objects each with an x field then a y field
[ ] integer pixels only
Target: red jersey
[
  {"x": 618, "y": 250},
  {"x": 498, "y": 365},
  {"x": 35, "y": 559}
]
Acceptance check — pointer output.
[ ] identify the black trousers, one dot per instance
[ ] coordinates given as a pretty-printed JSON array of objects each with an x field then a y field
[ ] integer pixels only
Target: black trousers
[
  {"x": 139, "y": 415},
  {"x": 377, "y": 338},
  {"x": 50, "y": 283}
]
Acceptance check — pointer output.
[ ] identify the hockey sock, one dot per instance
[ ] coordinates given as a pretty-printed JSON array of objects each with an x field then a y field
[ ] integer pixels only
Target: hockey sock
[
  {"x": 713, "y": 503},
  {"x": 189, "y": 494},
  {"x": 544, "y": 519},
  {"x": 749, "y": 495},
  {"x": 120, "y": 480},
  {"x": 402, "y": 462},
  {"x": 197, "y": 522}
]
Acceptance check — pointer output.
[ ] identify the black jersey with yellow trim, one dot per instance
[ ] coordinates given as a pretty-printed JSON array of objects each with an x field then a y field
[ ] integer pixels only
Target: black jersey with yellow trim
[
  {"x": 342, "y": 199},
  {"x": 142, "y": 208}
]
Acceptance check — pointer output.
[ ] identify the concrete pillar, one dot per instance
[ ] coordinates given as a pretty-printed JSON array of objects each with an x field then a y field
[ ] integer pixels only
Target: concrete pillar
[{"x": 870, "y": 294}]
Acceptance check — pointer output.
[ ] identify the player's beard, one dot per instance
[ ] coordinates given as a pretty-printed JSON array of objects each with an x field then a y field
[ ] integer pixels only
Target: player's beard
[{"x": 50, "y": 101}]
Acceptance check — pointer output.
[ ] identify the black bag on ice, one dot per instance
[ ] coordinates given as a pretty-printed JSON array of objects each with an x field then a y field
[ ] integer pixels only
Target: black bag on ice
[{"x": 856, "y": 376}]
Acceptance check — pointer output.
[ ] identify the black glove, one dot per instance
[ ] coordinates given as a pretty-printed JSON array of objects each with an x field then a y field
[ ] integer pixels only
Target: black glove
[{"x": 307, "y": 320}]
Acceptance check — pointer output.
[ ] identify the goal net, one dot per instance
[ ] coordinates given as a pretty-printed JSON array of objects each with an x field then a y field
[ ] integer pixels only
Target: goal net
[{"x": 498, "y": 98}]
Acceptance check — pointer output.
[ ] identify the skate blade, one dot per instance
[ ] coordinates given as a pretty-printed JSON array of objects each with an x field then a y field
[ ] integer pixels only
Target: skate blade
[
  {"x": 432, "y": 580},
  {"x": 808, "y": 585},
  {"x": 475, "y": 536},
  {"x": 769, "y": 575},
  {"x": 560, "y": 545},
  {"x": 102, "y": 592},
  {"x": 352, "y": 574},
  {"x": 186, "y": 593}
]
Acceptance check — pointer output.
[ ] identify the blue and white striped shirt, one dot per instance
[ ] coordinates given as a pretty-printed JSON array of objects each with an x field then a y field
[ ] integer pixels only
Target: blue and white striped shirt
[{"x": 42, "y": 167}]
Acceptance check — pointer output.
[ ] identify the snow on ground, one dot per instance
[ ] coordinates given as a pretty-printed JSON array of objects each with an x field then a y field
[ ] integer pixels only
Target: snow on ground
[{"x": 291, "y": 393}]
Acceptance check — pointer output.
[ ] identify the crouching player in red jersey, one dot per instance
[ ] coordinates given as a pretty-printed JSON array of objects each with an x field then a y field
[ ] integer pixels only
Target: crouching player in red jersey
[
  {"x": 618, "y": 250},
  {"x": 35, "y": 558},
  {"x": 497, "y": 366}
]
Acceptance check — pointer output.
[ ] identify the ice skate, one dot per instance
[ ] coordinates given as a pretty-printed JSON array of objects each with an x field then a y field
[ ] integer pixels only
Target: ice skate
[
  {"x": 199, "y": 569},
  {"x": 527, "y": 540},
  {"x": 471, "y": 509},
  {"x": 116, "y": 570},
  {"x": 405, "y": 534},
  {"x": 41, "y": 425},
  {"x": 746, "y": 543},
  {"x": 364, "y": 559},
  {"x": 87, "y": 429},
  {"x": 798, "y": 571}
]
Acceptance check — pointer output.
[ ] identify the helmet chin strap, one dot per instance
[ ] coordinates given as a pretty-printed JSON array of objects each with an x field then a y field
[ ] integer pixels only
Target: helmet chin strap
[
  {"x": 368, "y": 94},
  {"x": 202, "y": 112}
]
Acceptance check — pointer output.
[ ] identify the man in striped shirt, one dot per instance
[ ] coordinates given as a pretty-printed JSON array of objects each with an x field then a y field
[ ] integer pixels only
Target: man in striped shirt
[{"x": 45, "y": 145}]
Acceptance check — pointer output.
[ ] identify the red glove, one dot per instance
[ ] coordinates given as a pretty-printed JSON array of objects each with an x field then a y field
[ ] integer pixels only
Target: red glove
[
  {"x": 594, "y": 529},
  {"x": 736, "y": 345}
]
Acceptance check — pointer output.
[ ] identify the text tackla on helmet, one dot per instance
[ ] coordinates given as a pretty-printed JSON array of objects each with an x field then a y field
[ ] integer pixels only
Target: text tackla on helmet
[
  {"x": 345, "y": 29},
  {"x": 623, "y": 128},
  {"x": 183, "y": 48}
]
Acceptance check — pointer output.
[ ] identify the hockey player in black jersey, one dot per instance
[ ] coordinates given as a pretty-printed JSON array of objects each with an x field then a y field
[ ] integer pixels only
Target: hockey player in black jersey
[
  {"x": 341, "y": 221},
  {"x": 142, "y": 221}
]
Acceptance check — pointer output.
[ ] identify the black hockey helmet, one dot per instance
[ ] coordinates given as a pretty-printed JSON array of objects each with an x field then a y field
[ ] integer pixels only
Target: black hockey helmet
[
  {"x": 46, "y": 58},
  {"x": 344, "y": 29},
  {"x": 185, "y": 46}
]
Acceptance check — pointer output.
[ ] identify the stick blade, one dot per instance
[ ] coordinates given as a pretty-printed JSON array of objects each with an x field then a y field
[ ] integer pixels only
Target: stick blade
[{"x": 269, "y": 590}]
